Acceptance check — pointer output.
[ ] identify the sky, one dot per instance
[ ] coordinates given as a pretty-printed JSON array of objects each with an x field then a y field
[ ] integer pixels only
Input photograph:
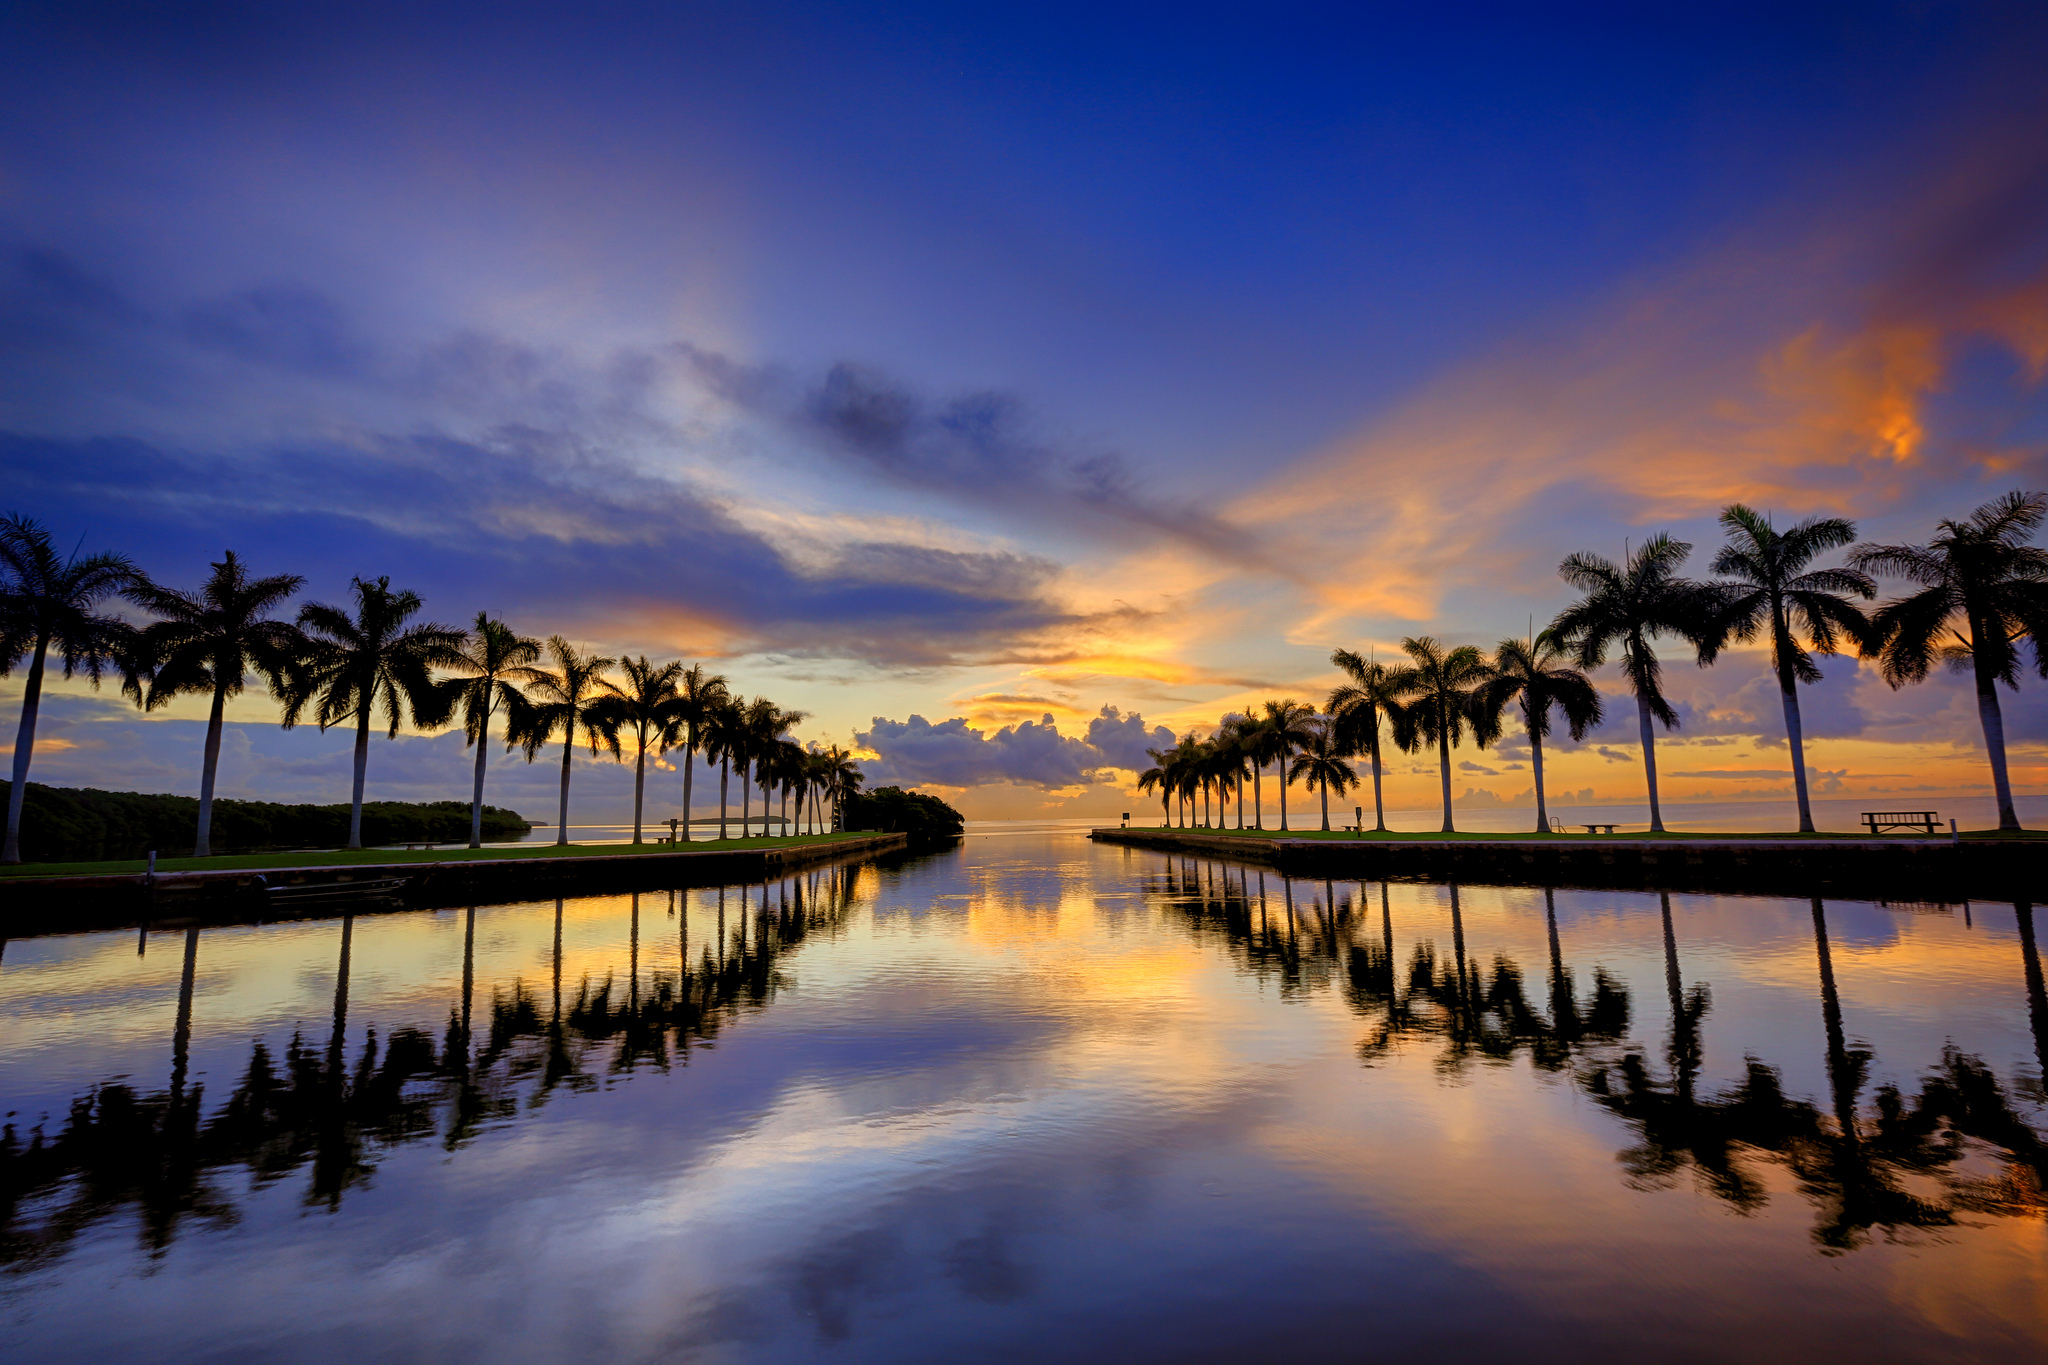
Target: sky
[{"x": 1009, "y": 389}]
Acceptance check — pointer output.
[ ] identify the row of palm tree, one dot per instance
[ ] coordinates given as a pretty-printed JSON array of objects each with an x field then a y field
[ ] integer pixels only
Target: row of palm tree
[
  {"x": 336, "y": 666},
  {"x": 1981, "y": 588}
]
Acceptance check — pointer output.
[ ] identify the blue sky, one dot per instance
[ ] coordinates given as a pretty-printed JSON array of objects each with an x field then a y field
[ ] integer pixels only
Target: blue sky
[{"x": 983, "y": 366}]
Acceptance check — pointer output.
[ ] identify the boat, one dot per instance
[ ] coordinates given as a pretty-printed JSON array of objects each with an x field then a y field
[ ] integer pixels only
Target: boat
[{"x": 313, "y": 893}]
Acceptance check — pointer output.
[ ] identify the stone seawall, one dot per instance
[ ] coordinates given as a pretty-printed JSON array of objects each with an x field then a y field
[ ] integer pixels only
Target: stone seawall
[
  {"x": 33, "y": 905},
  {"x": 1916, "y": 869}
]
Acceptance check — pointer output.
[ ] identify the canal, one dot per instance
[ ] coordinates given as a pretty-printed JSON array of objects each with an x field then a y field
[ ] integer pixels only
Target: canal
[{"x": 1034, "y": 1098}]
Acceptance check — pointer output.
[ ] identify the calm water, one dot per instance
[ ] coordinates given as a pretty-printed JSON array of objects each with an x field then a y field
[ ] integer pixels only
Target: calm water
[{"x": 1034, "y": 1099}]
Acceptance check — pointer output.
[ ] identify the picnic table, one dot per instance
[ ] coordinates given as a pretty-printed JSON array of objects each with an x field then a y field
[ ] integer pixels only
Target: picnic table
[
  {"x": 1878, "y": 821},
  {"x": 1597, "y": 828}
]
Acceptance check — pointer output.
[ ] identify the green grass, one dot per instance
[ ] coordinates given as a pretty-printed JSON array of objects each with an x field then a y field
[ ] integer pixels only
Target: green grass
[
  {"x": 263, "y": 862},
  {"x": 1495, "y": 836}
]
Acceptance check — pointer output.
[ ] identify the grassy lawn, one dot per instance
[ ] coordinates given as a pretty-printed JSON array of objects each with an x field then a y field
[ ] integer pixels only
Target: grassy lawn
[
  {"x": 262, "y": 862},
  {"x": 1499, "y": 836}
]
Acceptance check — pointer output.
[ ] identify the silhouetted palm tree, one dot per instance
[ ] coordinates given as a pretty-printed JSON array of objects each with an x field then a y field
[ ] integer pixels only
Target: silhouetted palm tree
[
  {"x": 1256, "y": 743},
  {"x": 1983, "y": 588},
  {"x": 1156, "y": 778},
  {"x": 648, "y": 705},
  {"x": 208, "y": 643},
  {"x": 357, "y": 659},
  {"x": 1232, "y": 756},
  {"x": 50, "y": 603},
  {"x": 1773, "y": 591},
  {"x": 699, "y": 694},
  {"x": 1443, "y": 683},
  {"x": 491, "y": 668},
  {"x": 1631, "y": 605},
  {"x": 566, "y": 699},
  {"x": 843, "y": 778},
  {"x": 724, "y": 737},
  {"x": 762, "y": 727},
  {"x": 1356, "y": 707},
  {"x": 1321, "y": 764},
  {"x": 1528, "y": 672},
  {"x": 1288, "y": 726}
]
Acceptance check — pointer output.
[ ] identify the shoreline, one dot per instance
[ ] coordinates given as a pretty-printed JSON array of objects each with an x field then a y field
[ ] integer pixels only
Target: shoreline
[
  {"x": 1917, "y": 868},
  {"x": 68, "y": 902}
]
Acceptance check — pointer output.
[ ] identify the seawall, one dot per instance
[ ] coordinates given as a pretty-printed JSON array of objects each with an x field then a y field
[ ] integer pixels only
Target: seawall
[
  {"x": 1916, "y": 869},
  {"x": 37, "y": 905}
]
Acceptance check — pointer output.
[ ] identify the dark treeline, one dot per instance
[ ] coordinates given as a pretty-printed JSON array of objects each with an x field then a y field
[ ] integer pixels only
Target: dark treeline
[
  {"x": 312, "y": 1111},
  {"x": 372, "y": 665},
  {"x": 1889, "y": 1165},
  {"x": 1980, "y": 590},
  {"x": 892, "y": 810},
  {"x": 84, "y": 824}
]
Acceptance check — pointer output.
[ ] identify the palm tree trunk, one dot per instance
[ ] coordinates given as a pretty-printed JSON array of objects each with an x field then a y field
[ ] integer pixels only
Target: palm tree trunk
[
  {"x": 1379, "y": 808},
  {"x": 1258, "y": 808},
  {"x": 746, "y": 799},
  {"x": 562, "y": 819},
  {"x": 1443, "y": 749},
  {"x": 1283, "y": 794},
  {"x": 355, "y": 806},
  {"x": 202, "y": 844},
  {"x": 722, "y": 771},
  {"x": 1649, "y": 761},
  {"x": 24, "y": 745},
  {"x": 1795, "y": 736},
  {"x": 639, "y": 781},
  {"x": 1239, "y": 787},
  {"x": 689, "y": 770},
  {"x": 476, "y": 795},
  {"x": 1326, "y": 830},
  {"x": 1994, "y": 744},
  {"x": 1536, "y": 766}
]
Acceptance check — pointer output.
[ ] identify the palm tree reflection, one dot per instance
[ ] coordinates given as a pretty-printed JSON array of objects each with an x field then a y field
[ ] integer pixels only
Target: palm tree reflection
[
  {"x": 1908, "y": 1164},
  {"x": 1889, "y": 1168},
  {"x": 309, "y": 1111}
]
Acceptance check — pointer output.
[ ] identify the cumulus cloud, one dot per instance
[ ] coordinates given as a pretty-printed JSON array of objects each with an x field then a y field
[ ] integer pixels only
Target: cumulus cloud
[{"x": 954, "y": 753}]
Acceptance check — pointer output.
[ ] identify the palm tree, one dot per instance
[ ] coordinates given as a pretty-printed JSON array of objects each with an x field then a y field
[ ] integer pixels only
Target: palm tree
[
  {"x": 1157, "y": 778},
  {"x": 651, "y": 707},
  {"x": 762, "y": 726},
  {"x": 1632, "y": 604},
  {"x": 1230, "y": 759},
  {"x": 491, "y": 668},
  {"x": 1443, "y": 683},
  {"x": 1321, "y": 763},
  {"x": 699, "y": 694},
  {"x": 566, "y": 699},
  {"x": 1356, "y": 707},
  {"x": 1287, "y": 728},
  {"x": 1257, "y": 745},
  {"x": 357, "y": 659},
  {"x": 46, "y": 602},
  {"x": 1530, "y": 672},
  {"x": 209, "y": 642},
  {"x": 723, "y": 736},
  {"x": 842, "y": 778},
  {"x": 1187, "y": 774},
  {"x": 1982, "y": 588},
  {"x": 1772, "y": 589}
]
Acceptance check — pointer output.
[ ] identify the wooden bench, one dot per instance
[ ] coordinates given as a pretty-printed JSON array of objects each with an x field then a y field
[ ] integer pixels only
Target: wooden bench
[
  {"x": 1878, "y": 821},
  {"x": 1597, "y": 828}
]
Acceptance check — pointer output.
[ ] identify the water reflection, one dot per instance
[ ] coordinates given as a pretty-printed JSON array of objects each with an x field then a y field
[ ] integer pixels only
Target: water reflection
[
  {"x": 1956, "y": 1146},
  {"x": 310, "y": 1112},
  {"x": 1891, "y": 1168},
  {"x": 1055, "y": 1100}
]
